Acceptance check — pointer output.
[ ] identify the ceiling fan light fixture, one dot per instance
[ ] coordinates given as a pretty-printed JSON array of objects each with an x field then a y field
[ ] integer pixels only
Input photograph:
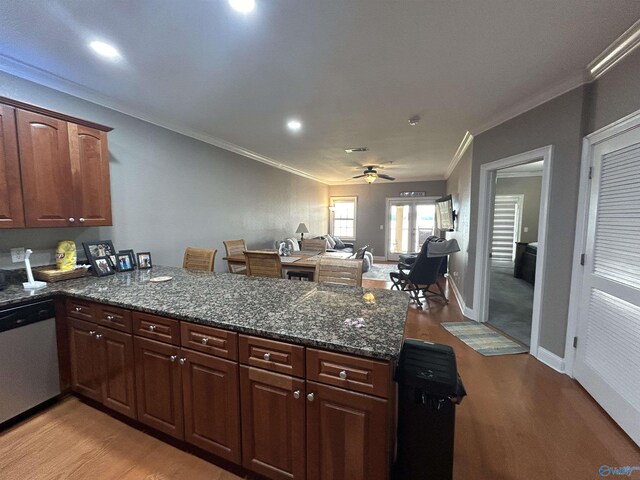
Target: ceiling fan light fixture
[
  {"x": 413, "y": 121},
  {"x": 370, "y": 178}
]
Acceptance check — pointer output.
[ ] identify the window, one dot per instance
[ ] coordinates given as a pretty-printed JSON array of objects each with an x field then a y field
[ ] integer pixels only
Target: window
[{"x": 343, "y": 217}]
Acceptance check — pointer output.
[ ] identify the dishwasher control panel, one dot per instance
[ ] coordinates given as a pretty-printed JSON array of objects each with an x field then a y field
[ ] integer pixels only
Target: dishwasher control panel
[{"x": 20, "y": 315}]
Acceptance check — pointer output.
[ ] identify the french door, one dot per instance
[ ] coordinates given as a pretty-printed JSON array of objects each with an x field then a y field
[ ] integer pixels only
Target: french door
[
  {"x": 607, "y": 359},
  {"x": 409, "y": 223}
]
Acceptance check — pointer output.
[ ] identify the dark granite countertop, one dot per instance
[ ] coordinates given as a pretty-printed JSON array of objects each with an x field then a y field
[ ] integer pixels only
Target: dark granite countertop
[{"x": 361, "y": 321}]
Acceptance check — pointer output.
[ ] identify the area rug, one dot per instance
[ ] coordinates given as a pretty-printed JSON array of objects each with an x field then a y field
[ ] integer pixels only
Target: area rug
[
  {"x": 380, "y": 271},
  {"x": 483, "y": 339}
]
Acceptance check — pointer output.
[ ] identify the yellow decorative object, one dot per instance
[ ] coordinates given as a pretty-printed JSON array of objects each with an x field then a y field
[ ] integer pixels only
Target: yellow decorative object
[{"x": 66, "y": 255}]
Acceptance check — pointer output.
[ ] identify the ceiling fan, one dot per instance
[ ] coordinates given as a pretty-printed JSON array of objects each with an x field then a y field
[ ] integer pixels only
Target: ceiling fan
[{"x": 370, "y": 175}]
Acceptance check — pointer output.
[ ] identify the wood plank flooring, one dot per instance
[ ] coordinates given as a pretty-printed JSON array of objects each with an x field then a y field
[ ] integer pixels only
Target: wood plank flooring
[{"x": 521, "y": 420}]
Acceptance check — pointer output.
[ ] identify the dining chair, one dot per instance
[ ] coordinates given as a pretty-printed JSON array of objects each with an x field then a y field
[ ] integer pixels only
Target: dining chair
[
  {"x": 263, "y": 264},
  {"x": 344, "y": 271},
  {"x": 314, "y": 244},
  {"x": 234, "y": 248},
  {"x": 199, "y": 259}
]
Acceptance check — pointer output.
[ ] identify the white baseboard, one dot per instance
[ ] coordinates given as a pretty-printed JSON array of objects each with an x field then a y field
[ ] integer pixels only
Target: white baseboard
[
  {"x": 379, "y": 259},
  {"x": 551, "y": 359},
  {"x": 466, "y": 311}
]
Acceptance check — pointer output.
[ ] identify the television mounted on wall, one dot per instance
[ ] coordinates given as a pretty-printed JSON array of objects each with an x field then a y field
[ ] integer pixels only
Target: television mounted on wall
[{"x": 445, "y": 214}]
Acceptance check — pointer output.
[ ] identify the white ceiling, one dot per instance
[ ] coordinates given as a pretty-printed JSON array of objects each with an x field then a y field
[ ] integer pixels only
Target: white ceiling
[{"x": 353, "y": 71}]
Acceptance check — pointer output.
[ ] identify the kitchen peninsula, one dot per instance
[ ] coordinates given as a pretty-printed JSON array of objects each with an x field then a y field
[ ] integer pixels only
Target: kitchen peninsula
[{"x": 286, "y": 379}]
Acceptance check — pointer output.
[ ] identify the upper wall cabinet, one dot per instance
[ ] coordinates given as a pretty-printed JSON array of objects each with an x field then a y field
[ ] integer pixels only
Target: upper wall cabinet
[{"x": 63, "y": 170}]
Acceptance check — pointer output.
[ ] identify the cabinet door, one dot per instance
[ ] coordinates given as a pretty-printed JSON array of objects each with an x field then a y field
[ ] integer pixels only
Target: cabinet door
[
  {"x": 159, "y": 386},
  {"x": 46, "y": 170},
  {"x": 347, "y": 435},
  {"x": 211, "y": 404},
  {"x": 91, "y": 186},
  {"x": 118, "y": 392},
  {"x": 86, "y": 367},
  {"x": 273, "y": 423},
  {"x": 11, "y": 210}
]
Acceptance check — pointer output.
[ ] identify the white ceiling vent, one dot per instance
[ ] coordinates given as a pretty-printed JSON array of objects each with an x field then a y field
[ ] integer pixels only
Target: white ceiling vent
[{"x": 356, "y": 149}]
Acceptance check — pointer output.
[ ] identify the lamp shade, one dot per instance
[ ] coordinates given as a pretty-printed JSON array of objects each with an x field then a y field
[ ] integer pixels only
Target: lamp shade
[{"x": 302, "y": 228}]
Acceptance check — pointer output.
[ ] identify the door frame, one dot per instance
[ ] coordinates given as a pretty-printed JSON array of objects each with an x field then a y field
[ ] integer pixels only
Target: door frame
[
  {"x": 488, "y": 173},
  {"x": 589, "y": 142},
  {"x": 387, "y": 215}
]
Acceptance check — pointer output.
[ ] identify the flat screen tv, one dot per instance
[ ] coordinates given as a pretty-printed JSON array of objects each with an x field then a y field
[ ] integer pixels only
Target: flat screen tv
[{"x": 445, "y": 214}]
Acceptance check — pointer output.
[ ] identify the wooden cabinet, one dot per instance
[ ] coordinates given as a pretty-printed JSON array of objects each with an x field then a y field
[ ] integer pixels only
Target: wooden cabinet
[
  {"x": 54, "y": 169},
  {"x": 347, "y": 434},
  {"x": 211, "y": 404},
  {"x": 11, "y": 208},
  {"x": 273, "y": 423},
  {"x": 159, "y": 386},
  {"x": 101, "y": 362}
]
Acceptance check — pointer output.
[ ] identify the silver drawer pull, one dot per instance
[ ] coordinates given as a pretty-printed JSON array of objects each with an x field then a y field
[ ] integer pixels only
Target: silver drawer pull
[
  {"x": 343, "y": 374},
  {"x": 92, "y": 332},
  {"x": 182, "y": 361},
  {"x": 98, "y": 336},
  {"x": 152, "y": 328},
  {"x": 204, "y": 340},
  {"x": 267, "y": 356},
  {"x": 78, "y": 309},
  {"x": 81, "y": 220},
  {"x": 311, "y": 397},
  {"x": 110, "y": 317},
  {"x": 296, "y": 394},
  {"x": 71, "y": 219},
  {"x": 172, "y": 358}
]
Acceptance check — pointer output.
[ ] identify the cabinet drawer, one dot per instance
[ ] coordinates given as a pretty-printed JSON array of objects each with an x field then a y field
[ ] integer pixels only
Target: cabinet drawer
[
  {"x": 157, "y": 328},
  {"x": 271, "y": 355},
  {"x": 213, "y": 341},
  {"x": 81, "y": 309},
  {"x": 114, "y": 317},
  {"x": 353, "y": 373}
]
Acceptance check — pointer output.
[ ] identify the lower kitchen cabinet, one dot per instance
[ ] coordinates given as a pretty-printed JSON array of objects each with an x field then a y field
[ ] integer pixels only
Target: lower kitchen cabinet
[
  {"x": 159, "y": 386},
  {"x": 211, "y": 404},
  {"x": 273, "y": 423},
  {"x": 347, "y": 434},
  {"x": 102, "y": 365}
]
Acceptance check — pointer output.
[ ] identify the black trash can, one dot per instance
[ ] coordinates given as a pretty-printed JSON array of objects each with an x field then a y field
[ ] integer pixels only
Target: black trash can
[{"x": 429, "y": 390}]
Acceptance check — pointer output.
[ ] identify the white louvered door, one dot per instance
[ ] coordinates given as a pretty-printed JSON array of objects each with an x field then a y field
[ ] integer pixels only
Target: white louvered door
[
  {"x": 608, "y": 350},
  {"x": 507, "y": 218}
]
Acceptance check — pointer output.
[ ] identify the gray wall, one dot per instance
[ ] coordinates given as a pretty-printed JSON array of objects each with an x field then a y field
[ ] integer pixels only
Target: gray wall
[
  {"x": 170, "y": 191},
  {"x": 459, "y": 186},
  {"x": 372, "y": 206},
  {"x": 530, "y": 188}
]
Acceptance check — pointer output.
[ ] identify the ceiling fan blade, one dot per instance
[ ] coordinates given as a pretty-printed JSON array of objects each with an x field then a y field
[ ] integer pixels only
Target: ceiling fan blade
[
  {"x": 359, "y": 176},
  {"x": 386, "y": 177}
]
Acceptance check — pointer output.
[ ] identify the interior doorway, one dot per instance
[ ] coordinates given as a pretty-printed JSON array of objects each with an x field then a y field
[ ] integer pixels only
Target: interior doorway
[
  {"x": 484, "y": 277},
  {"x": 409, "y": 222}
]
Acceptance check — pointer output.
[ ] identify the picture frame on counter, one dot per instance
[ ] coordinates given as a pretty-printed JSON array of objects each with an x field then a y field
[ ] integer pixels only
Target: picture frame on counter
[
  {"x": 124, "y": 262},
  {"x": 144, "y": 260},
  {"x": 98, "y": 248},
  {"x": 131, "y": 254},
  {"x": 102, "y": 266},
  {"x": 112, "y": 259}
]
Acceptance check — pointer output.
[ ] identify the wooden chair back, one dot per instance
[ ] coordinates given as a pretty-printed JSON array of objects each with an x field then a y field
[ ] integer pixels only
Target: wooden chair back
[
  {"x": 199, "y": 259},
  {"x": 263, "y": 264},
  {"x": 344, "y": 271},
  {"x": 233, "y": 248},
  {"x": 314, "y": 244}
]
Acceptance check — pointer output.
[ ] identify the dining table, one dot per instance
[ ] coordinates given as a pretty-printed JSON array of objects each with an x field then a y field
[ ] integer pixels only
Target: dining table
[{"x": 303, "y": 260}]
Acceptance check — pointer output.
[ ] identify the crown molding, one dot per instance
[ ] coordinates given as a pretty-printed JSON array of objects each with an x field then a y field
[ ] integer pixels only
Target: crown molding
[
  {"x": 619, "y": 48},
  {"x": 555, "y": 91},
  {"x": 48, "y": 79},
  {"x": 467, "y": 139}
]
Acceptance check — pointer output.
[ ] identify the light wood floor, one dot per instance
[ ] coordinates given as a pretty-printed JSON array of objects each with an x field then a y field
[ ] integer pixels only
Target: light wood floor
[{"x": 521, "y": 420}]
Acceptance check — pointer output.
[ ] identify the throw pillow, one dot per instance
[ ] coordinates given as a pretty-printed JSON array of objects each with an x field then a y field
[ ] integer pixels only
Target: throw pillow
[
  {"x": 331, "y": 243},
  {"x": 339, "y": 243},
  {"x": 293, "y": 244}
]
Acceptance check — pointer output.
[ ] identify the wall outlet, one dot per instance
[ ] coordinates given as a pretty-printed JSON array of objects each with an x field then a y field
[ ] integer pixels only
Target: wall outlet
[
  {"x": 381, "y": 227},
  {"x": 17, "y": 255},
  {"x": 525, "y": 229}
]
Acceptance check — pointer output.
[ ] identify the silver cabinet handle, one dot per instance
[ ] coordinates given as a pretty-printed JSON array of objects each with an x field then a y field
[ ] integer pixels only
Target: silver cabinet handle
[
  {"x": 71, "y": 219},
  {"x": 172, "y": 358},
  {"x": 343, "y": 374},
  {"x": 98, "y": 336},
  {"x": 152, "y": 328},
  {"x": 182, "y": 361},
  {"x": 109, "y": 317},
  {"x": 311, "y": 397},
  {"x": 204, "y": 340},
  {"x": 296, "y": 394},
  {"x": 92, "y": 332},
  {"x": 267, "y": 356},
  {"x": 81, "y": 220},
  {"x": 78, "y": 309}
]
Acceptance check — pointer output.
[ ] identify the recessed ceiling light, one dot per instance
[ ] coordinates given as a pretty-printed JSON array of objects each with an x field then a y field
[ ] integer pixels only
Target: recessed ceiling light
[
  {"x": 294, "y": 125},
  {"x": 105, "y": 49},
  {"x": 413, "y": 121},
  {"x": 243, "y": 6}
]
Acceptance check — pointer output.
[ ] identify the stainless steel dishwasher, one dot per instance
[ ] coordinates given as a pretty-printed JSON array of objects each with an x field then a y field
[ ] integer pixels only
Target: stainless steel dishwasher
[{"x": 28, "y": 357}]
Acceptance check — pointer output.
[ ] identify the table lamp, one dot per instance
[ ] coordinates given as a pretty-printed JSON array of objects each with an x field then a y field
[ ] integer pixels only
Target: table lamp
[{"x": 302, "y": 229}]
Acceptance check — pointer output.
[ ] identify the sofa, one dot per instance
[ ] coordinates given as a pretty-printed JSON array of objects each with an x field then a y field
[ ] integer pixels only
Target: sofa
[
  {"x": 293, "y": 246},
  {"x": 334, "y": 244}
]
